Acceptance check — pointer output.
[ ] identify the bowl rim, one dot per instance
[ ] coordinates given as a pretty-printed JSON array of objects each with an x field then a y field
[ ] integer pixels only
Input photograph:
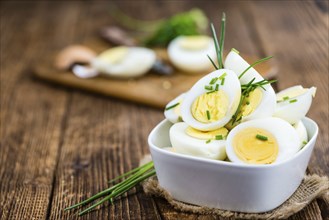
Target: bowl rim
[{"x": 227, "y": 163}]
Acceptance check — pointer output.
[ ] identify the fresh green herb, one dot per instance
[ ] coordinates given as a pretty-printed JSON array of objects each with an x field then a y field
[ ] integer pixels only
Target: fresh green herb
[
  {"x": 208, "y": 141},
  {"x": 213, "y": 63},
  {"x": 292, "y": 101},
  {"x": 216, "y": 88},
  {"x": 213, "y": 81},
  {"x": 134, "y": 177},
  {"x": 254, "y": 64},
  {"x": 261, "y": 137},
  {"x": 304, "y": 142},
  {"x": 219, "y": 137},
  {"x": 247, "y": 103},
  {"x": 208, "y": 87},
  {"x": 172, "y": 106},
  {"x": 285, "y": 98},
  {"x": 219, "y": 47},
  {"x": 208, "y": 114},
  {"x": 222, "y": 76},
  {"x": 235, "y": 50},
  {"x": 222, "y": 82},
  {"x": 211, "y": 91}
]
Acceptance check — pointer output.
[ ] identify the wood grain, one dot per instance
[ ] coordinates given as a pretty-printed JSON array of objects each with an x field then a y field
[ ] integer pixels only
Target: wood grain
[{"x": 59, "y": 146}]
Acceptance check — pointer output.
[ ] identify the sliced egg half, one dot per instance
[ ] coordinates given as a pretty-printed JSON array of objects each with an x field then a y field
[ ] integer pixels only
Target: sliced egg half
[
  {"x": 302, "y": 132},
  {"x": 261, "y": 102},
  {"x": 189, "y": 141},
  {"x": 124, "y": 62},
  {"x": 262, "y": 141},
  {"x": 293, "y": 103},
  {"x": 172, "y": 110},
  {"x": 212, "y": 101},
  {"x": 189, "y": 53}
]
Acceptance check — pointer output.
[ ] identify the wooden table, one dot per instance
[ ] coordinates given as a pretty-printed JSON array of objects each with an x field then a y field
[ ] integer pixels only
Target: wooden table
[{"x": 60, "y": 145}]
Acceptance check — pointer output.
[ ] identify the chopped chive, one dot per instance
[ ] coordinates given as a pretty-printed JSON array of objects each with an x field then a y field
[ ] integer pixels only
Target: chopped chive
[
  {"x": 208, "y": 141},
  {"x": 304, "y": 142},
  {"x": 208, "y": 115},
  {"x": 216, "y": 88},
  {"x": 285, "y": 98},
  {"x": 213, "y": 81},
  {"x": 219, "y": 137},
  {"x": 261, "y": 137},
  {"x": 247, "y": 103},
  {"x": 208, "y": 87},
  {"x": 172, "y": 106},
  {"x": 211, "y": 91},
  {"x": 292, "y": 101},
  {"x": 222, "y": 82},
  {"x": 254, "y": 64},
  {"x": 235, "y": 50},
  {"x": 222, "y": 76}
]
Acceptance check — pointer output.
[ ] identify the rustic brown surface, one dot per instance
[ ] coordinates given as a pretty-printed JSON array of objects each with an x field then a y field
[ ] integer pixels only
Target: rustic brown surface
[{"x": 59, "y": 145}]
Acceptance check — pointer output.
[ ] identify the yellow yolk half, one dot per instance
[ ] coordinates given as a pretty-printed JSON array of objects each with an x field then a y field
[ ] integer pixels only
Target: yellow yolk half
[
  {"x": 207, "y": 135},
  {"x": 251, "y": 102},
  {"x": 194, "y": 42},
  {"x": 114, "y": 55},
  {"x": 210, "y": 107},
  {"x": 254, "y": 151}
]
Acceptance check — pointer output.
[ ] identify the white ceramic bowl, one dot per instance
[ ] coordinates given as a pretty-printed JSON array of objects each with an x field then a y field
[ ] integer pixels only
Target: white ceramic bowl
[{"x": 225, "y": 185}]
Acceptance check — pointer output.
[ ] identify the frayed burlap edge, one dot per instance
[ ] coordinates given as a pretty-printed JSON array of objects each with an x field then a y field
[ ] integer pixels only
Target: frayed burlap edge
[{"x": 312, "y": 187}]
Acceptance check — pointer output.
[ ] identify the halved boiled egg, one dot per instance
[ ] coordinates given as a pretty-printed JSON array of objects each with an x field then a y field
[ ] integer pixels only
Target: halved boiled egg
[
  {"x": 189, "y": 53},
  {"x": 206, "y": 144},
  {"x": 172, "y": 110},
  {"x": 302, "y": 132},
  {"x": 124, "y": 62},
  {"x": 212, "y": 101},
  {"x": 293, "y": 103},
  {"x": 261, "y": 102},
  {"x": 262, "y": 141}
]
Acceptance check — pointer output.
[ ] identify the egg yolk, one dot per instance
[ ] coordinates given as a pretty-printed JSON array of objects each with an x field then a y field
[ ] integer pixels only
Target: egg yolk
[
  {"x": 207, "y": 135},
  {"x": 210, "y": 107},
  {"x": 251, "y": 102},
  {"x": 252, "y": 150},
  {"x": 194, "y": 42},
  {"x": 114, "y": 55}
]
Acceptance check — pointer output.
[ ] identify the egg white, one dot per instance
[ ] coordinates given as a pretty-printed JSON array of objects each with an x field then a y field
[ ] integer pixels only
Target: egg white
[
  {"x": 136, "y": 62},
  {"x": 285, "y": 134},
  {"x": 171, "y": 114},
  {"x": 232, "y": 89},
  {"x": 191, "y": 61},
  {"x": 291, "y": 111},
  {"x": 185, "y": 144},
  {"x": 302, "y": 132},
  {"x": 267, "y": 105}
]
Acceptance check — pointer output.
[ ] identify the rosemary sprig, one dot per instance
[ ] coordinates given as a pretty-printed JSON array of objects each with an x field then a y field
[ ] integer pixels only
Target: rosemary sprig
[{"x": 135, "y": 177}]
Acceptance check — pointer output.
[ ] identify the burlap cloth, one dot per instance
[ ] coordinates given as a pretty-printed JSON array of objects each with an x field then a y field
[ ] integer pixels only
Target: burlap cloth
[{"x": 312, "y": 187}]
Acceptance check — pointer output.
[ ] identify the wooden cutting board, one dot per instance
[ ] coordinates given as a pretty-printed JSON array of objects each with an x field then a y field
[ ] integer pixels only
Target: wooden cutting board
[{"x": 151, "y": 89}]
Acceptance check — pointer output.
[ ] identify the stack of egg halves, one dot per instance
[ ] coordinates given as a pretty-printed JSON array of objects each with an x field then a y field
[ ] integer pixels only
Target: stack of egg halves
[{"x": 267, "y": 129}]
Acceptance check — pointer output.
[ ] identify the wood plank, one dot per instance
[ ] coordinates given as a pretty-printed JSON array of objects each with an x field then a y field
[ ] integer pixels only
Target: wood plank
[
  {"x": 31, "y": 114},
  {"x": 300, "y": 34}
]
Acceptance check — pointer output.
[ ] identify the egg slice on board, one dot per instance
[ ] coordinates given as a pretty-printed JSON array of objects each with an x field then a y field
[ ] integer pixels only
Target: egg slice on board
[
  {"x": 189, "y": 53},
  {"x": 124, "y": 62},
  {"x": 212, "y": 100},
  {"x": 172, "y": 110},
  {"x": 262, "y": 141},
  {"x": 261, "y": 102},
  {"x": 302, "y": 132},
  {"x": 293, "y": 103},
  {"x": 189, "y": 141}
]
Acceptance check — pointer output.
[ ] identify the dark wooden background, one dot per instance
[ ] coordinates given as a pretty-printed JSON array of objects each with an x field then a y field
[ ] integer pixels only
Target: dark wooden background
[{"x": 60, "y": 145}]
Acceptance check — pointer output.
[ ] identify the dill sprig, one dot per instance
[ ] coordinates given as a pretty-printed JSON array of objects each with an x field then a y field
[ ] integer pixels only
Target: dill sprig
[
  {"x": 219, "y": 47},
  {"x": 134, "y": 177}
]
